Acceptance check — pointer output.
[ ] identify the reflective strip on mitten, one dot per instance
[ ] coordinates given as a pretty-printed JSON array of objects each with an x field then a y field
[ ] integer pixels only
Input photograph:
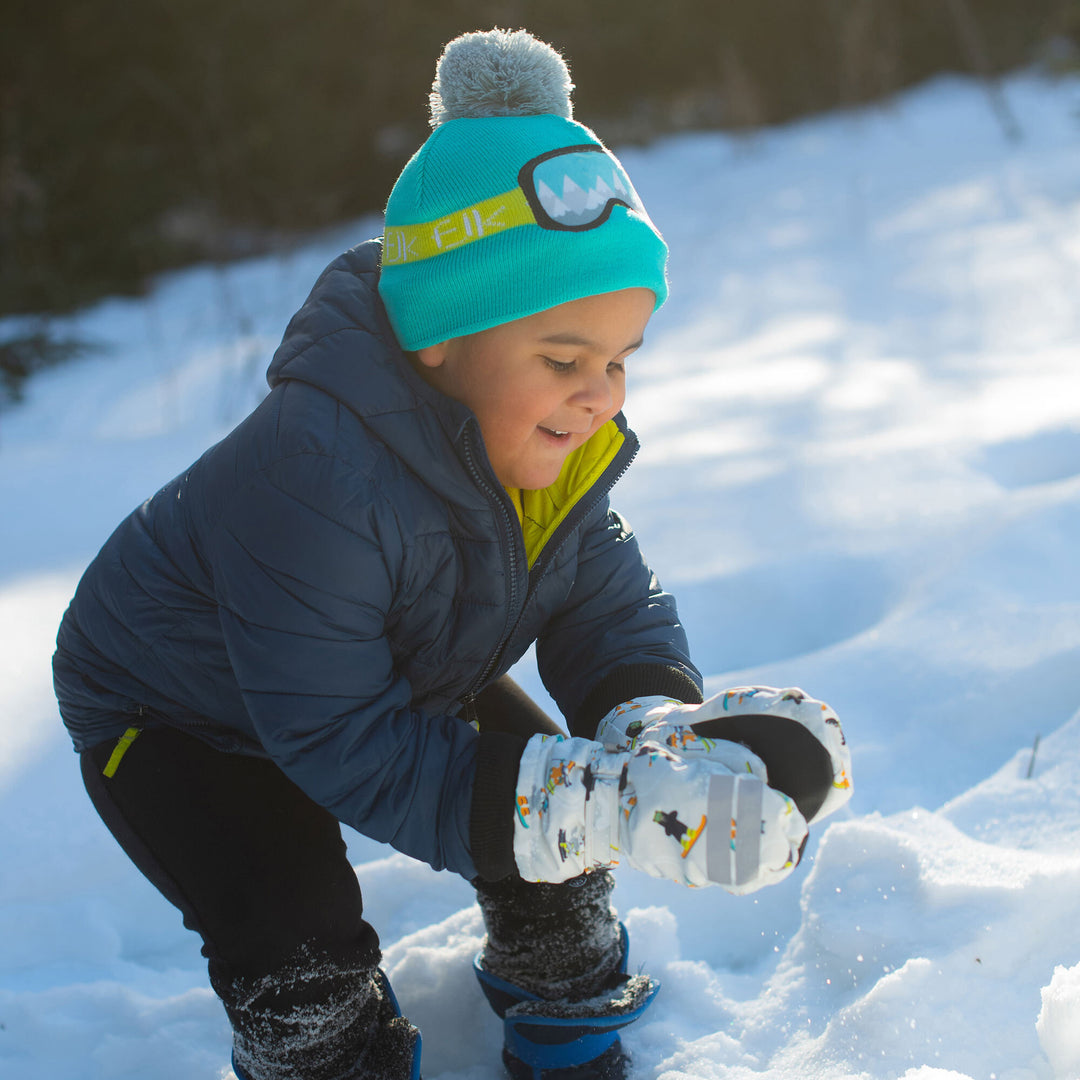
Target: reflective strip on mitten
[
  {"x": 581, "y": 806},
  {"x": 785, "y": 737}
]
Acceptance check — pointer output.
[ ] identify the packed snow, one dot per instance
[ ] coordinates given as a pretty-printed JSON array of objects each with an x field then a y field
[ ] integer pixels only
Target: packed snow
[{"x": 861, "y": 475}]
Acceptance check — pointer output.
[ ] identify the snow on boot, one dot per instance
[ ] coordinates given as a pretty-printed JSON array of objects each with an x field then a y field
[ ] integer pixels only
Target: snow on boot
[
  {"x": 396, "y": 1050},
  {"x": 566, "y": 1039},
  {"x": 321, "y": 1021},
  {"x": 553, "y": 940},
  {"x": 553, "y": 967}
]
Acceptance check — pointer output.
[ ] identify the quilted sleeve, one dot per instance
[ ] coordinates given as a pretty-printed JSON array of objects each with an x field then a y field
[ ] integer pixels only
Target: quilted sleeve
[
  {"x": 618, "y": 634},
  {"x": 304, "y": 564}
]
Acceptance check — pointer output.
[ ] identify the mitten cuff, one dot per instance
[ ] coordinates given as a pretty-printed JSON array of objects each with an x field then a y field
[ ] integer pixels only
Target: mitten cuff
[{"x": 491, "y": 819}]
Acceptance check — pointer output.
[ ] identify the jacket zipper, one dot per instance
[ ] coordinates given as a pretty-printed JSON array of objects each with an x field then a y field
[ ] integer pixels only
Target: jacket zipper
[
  {"x": 607, "y": 481},
  {"x": 501, "y": 499}
]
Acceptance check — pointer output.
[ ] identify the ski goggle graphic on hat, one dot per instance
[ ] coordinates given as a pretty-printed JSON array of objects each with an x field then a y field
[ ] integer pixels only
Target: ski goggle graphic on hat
[
  {"x": 570, "y": 189},
  {"x": 577, "y": 187}
]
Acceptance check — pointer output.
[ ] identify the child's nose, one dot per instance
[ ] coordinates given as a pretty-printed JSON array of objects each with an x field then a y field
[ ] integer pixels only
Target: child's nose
[{"x": 595, "y": 394}]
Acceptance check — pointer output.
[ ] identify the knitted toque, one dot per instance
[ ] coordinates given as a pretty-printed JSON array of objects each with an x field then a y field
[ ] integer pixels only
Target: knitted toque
[{"x": 510, "y": 207}]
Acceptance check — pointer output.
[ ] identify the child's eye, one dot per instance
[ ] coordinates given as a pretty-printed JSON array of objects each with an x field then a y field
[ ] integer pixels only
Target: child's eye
[{"x": 559, "y": 366}]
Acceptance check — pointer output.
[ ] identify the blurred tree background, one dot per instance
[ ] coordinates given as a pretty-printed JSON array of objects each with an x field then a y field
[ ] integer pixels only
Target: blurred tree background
[{"x": 136, "y": 137}]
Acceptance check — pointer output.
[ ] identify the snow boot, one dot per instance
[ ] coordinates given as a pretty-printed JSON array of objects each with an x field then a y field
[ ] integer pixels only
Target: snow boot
[
  {"x": 357, "y": 1033},
  {"x": 564, "y": 1039}
]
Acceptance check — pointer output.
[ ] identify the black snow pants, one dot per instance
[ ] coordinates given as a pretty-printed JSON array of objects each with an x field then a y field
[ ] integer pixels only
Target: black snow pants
[{"x": 261, "y": 873}]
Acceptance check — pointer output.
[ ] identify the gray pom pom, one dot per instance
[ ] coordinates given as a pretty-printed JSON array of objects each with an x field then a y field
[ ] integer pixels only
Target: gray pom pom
[{"x": 499, "y": 73}]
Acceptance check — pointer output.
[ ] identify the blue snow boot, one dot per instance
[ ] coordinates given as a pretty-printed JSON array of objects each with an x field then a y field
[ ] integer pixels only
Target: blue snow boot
[{"x": 563, "y": 1039}]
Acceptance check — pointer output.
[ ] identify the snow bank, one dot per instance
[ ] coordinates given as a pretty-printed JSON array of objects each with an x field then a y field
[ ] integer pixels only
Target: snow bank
[{"x": 1059, "y": 1022}]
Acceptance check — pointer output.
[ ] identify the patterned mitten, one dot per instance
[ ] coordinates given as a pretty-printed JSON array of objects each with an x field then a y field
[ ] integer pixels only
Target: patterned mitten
[
  {"x": 784, "y": 737},
  {"x": 581, "y": 806}
]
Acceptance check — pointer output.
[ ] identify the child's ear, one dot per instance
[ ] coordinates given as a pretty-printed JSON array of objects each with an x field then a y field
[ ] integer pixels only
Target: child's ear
[{"x": 433, "y": 356}]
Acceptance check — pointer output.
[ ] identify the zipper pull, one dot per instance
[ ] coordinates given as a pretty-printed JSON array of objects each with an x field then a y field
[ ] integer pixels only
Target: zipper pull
[{"x": 470, "y": 715}]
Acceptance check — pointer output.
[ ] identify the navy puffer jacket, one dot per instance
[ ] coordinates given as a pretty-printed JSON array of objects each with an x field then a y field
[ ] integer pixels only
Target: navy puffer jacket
[{"x": 333, "y": 580}]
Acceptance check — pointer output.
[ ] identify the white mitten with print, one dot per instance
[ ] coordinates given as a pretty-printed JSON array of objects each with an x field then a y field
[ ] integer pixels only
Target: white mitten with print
[
  {"x": 792, "y": 741},
  {"x": 581, "y": 807}
]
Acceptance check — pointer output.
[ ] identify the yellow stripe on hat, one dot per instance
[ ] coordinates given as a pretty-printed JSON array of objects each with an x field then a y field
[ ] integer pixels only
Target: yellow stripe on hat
[{"x": 413, "y": 243}]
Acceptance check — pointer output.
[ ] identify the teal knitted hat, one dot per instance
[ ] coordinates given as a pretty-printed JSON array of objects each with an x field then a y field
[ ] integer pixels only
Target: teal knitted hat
[{"x": 510, "y": 207}]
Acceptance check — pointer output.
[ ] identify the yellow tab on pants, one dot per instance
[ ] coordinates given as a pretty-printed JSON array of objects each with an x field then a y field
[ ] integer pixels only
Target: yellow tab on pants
[{"x": 123, "y": 745}]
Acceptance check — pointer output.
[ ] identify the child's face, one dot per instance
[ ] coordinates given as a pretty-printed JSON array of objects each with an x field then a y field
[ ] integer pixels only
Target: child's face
[{"x": 540, "y": 386}]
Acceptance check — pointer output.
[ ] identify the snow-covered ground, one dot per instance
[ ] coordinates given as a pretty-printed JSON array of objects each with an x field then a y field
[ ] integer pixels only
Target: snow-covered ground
[{"x": 861, "y": 475}]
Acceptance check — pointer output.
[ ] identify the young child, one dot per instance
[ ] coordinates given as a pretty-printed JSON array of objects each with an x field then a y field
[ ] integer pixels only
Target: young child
[{"x": 313, "y": 623}]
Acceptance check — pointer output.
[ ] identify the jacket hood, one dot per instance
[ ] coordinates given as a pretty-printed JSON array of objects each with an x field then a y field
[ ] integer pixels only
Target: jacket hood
[{"x": 341, "y": 342}]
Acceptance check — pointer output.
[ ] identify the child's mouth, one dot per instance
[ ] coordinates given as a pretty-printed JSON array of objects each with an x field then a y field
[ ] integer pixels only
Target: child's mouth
[{"x": 553, "y": 433}]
